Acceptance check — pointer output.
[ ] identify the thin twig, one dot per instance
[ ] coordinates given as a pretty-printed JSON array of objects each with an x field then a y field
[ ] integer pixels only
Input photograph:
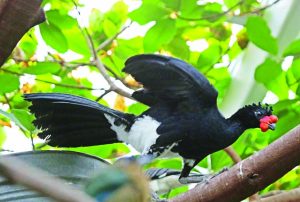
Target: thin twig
[
  {"x": 103, "y": 94},
  {"x": 18, "y": 172},
  {"x": 263, "y": 8},
  {"x": 7, "y": 100},
  {"x": 110, "y": 40},
  {"x": 212, "y": 17},
  {"x": 233, "y": 154},
  {"x": 102, "y": 69}
]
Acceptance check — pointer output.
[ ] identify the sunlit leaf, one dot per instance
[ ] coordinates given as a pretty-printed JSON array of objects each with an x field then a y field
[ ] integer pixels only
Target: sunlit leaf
[
  {"x": 293, "y": 49},
  {"x": 13, "y": 118},
  {"x": 25, "y": 118},
  {"x": 54, "y": 37},
  {"x": 42, "y": 68},
  {"x": 149, "y": 11},
  {"x": 260, "y": 34},
  {"x": 8, "y": 83},
  {"x": 157, "y": 35},
  {"x": 137, "y": 108},
  {"x": 109, "y": 28},
  {"x": 209, "y": 57},
  {"x": 271, "y": 75},
  {"x": 2, "y": 136}
]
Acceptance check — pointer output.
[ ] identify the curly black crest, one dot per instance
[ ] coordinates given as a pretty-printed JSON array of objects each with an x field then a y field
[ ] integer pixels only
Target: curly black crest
[{"x": 268, "y": 109}]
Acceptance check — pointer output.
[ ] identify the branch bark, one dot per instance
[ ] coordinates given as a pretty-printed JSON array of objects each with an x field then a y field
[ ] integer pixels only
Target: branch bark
[
  {"x": 16, "y": 17},
  {"x": 252, "y": 174}
]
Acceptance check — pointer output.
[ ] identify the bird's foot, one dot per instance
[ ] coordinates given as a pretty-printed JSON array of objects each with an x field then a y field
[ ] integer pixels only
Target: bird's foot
[{"x": 194, "y": 179}]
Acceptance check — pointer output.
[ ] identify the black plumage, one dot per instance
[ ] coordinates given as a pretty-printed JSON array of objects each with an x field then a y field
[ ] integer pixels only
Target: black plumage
[{"x": 180, "y": 98}]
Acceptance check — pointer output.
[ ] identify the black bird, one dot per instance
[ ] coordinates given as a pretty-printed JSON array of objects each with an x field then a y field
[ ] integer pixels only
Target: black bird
[{"x": 182, "y": 119}]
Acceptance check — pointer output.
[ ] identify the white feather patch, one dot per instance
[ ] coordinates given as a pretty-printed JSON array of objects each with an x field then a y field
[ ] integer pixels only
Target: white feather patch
[{"x": 142, "y": 133}]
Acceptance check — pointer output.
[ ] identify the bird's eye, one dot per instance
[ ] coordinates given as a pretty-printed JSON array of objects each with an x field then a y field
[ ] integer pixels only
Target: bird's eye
[{"x": 258, "y": 113}]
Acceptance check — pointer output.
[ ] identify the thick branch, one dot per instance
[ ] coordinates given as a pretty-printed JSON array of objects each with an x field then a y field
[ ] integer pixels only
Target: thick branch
[
  {"x": 252, "y": 174},
  {"x": 16, "y": 17},
  {"x": 18, "y": 172}
]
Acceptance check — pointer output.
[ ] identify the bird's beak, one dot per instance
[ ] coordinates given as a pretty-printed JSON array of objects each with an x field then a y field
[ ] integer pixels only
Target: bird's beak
[{"x": 272, "y": 126}]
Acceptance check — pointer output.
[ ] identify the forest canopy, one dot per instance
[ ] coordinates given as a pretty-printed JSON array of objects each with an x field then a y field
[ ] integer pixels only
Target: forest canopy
[{"x": 63, "y": 53}]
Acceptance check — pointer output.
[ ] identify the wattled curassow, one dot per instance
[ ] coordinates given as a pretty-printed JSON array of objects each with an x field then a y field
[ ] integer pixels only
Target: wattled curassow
[{"x": 182, "y": 119}]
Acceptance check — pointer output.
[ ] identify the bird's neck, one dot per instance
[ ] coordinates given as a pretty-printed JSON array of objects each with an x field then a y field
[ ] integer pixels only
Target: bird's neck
[{"x": 235, "y": 126}]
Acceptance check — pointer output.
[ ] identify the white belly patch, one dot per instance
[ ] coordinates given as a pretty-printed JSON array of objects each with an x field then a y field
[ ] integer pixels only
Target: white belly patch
[{"x": 142, "y": 133}]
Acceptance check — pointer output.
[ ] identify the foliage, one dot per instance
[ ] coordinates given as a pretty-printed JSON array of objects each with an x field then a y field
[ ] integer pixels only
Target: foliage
[{"x": 172, "y": 26}]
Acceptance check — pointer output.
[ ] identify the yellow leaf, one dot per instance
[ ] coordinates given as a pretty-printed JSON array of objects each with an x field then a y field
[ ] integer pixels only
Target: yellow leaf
[{"x": 120, "y": 103}]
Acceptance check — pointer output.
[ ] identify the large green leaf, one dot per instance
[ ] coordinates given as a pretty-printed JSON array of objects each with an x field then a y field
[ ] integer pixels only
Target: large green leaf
[
  {"x": 260, "y": 34},
  {"x": 54, "y": 37},
  {"x": 70, "y": 28},
  {"x": 25, "y": 118},
  {"x": 161, "y": 33},
  {"x": 271, "y": 75},
  {"x": 13, "y": 118},
  {"x": 149, "y": 11},
  {"x": 109, "y": 28},
  {"x": 28, "y": 44},
  {"x": 8, "y": 83},
  {"x": 104, "y": 151},
  {"x": 42, "y": 68},
  {"x": 209, "y": 57},
  {"x": 293, "y": 49},
  {"x": 295, "y": 68}
]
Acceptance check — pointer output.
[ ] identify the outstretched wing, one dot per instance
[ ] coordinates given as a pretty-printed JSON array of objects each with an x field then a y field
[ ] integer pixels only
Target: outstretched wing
[{"x": 168, "y": 79}]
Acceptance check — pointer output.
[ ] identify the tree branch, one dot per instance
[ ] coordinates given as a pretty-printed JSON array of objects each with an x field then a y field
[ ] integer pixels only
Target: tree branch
[
  {"x": 212, "y": 17},
  {"x": 233, "y": 155},
  {"x": 110, "y": 40},
  {"x": 102, "y": 69},
  {"x": 18, "y": 172},
  {"x": 16, "y": 17},
  {"x": 252, "y": 174}
]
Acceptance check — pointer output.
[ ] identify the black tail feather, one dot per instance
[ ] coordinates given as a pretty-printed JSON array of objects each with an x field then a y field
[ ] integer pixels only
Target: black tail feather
[{"x": 72, "y": 121}]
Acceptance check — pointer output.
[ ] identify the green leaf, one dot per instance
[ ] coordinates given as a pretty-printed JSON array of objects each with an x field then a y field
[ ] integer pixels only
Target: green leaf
[
  {"x": 298, "y": 90},
  {"x": 271, "y": 75},
  {"x": 2, "y": 136},
  {"x": 28, "y": 44},
  {"x": 209, "y": 57},
  {"x": 42, "y": 68},
  {"x": 231, "y": 3},
  {"x": 109, "y": 28},
  {"x": 179, "y": 48},
  {"x": 70, "y": 28},
  {"x": 103, "y": 151},
  {"x": 137, "y": 108},
  {"x": 260, "y": 34},
  {"x": 54, "y": 37},
  {"x": 149, "y": 11},
  {"x": 24, "y": 118},
  {"x": 8, "y": 83},
  {"x": 295, "y": 68},
  {"x": 12, "y": 118},
  {"x": 161, "y": 33},
  {"x": 293, "y": 49}
]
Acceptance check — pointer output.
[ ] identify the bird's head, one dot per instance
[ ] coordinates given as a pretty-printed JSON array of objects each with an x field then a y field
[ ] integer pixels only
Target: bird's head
[{"x": 258, "y": 116}]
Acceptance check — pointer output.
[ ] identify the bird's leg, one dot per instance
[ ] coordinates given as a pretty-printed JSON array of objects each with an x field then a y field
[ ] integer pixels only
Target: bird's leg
[{"x": 188, "y": 165}]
